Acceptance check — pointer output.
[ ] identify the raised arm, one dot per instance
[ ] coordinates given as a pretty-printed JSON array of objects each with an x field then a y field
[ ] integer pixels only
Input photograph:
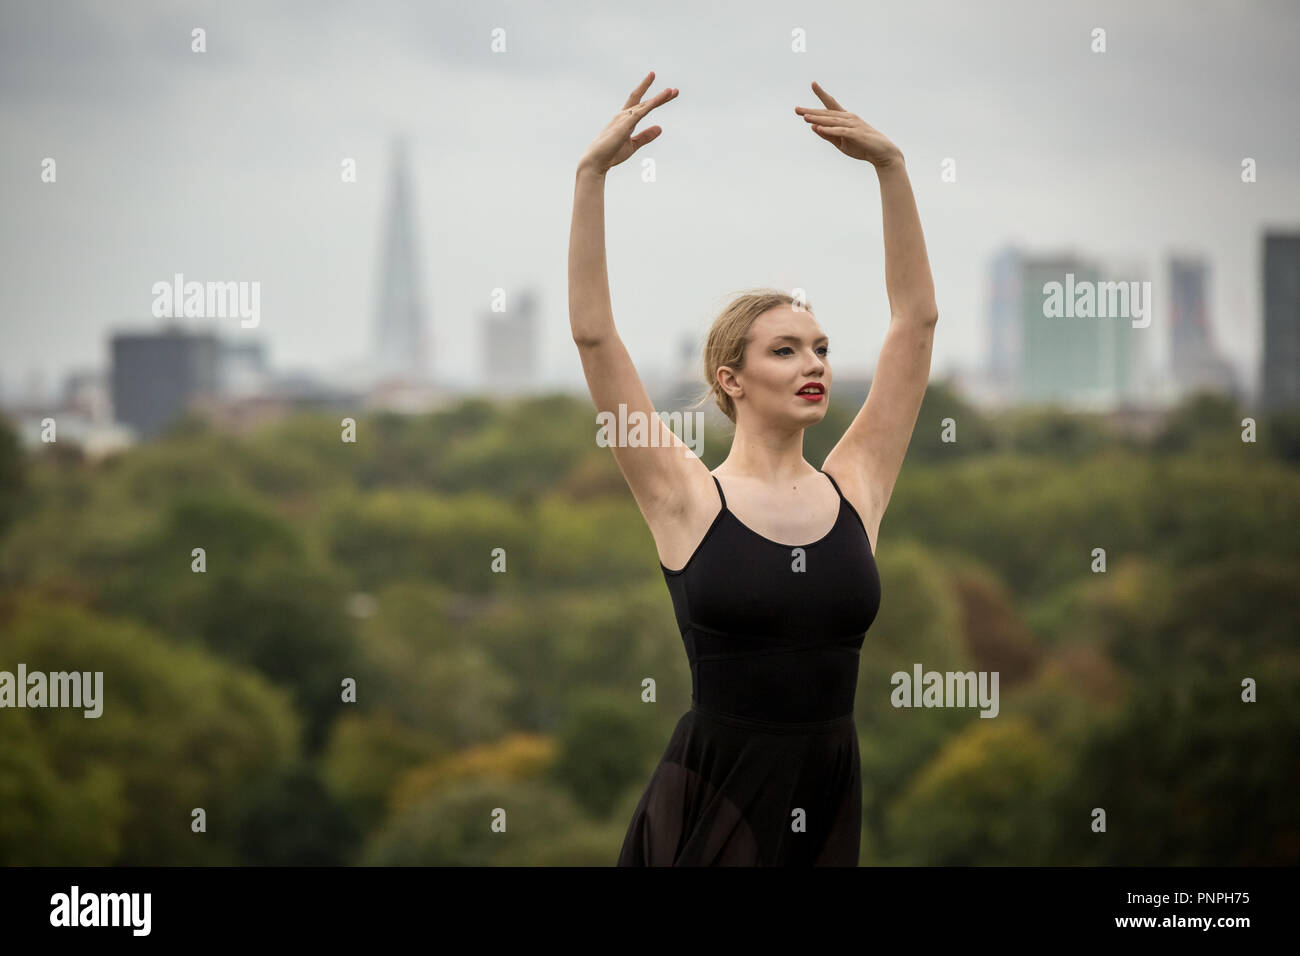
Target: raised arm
[
  {"x": 659, "y": 473},
  {"x": 870, "y": 454}
]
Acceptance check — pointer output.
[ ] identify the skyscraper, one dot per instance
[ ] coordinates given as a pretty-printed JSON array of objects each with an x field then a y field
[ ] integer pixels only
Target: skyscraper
[
  {"x": 1087, "y": 361},
  {"x": 155, "y": 376},
  {"x": 1280, "y": 377},
  {"x": 1061, "y": 360},
  {"x": 400, "y": 345}
]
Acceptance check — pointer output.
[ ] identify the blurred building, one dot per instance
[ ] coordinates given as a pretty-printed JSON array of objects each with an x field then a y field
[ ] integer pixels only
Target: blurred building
[
  {"x": 86, "y": 393},
  {"x": 155, "y": 376},
  {"x": 1060, "y": 359},
  {"x": 281, "y": 395},
  {"x": 1126, "y": 352},
  {"x": 81, "y": 417},
  {"x": 400, "y": 325},
  {"x": 1194, "y": 359},
  {"x": 1006, "y": 300},
  {"x": 1087, "y": 362},
  {"x": 1280, "y": 375},
  {"x": 510, "y": 346},
  {"x": 242, "y": 368},
  {"x": 684, "y": 381}
]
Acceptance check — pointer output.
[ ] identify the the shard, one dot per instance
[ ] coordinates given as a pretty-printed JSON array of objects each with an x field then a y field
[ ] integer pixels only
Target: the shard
[{"x": 400, "y": 352}]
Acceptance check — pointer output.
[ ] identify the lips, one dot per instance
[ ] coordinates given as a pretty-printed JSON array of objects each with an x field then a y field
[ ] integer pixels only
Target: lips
[{"x": 814, "y": 394}]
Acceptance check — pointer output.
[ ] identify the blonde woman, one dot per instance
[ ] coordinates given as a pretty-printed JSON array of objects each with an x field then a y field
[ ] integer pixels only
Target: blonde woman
[{"x": 770, "y": 562}]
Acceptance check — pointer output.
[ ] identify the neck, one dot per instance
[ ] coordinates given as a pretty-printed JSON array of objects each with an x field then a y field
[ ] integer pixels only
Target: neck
[{"x": 768, "y": 454}]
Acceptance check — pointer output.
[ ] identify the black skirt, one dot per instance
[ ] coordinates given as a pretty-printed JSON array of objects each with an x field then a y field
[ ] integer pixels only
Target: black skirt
[{"x": 733, "y": 791}]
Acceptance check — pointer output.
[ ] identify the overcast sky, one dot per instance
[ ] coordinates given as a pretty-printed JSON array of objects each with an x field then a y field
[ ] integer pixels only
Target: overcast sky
[{"x": 225, "y": 165}]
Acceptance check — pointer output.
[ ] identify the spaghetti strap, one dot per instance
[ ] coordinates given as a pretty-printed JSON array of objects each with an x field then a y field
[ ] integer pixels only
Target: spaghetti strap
[
  {"x": 720, "y": 494},
  {"x": 836, "y": 486}
]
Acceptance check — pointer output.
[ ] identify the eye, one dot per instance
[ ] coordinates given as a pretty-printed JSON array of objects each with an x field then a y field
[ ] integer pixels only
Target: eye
[{"x": 782, "y": 350}]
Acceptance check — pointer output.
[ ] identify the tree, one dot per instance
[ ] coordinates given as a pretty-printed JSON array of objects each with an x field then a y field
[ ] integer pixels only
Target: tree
[
  {"x": 13, "y": 479},
  {"x": 178, "y": 730},
  {"x": 600, "y": 750},
  {"x": 291, "y": 817}
]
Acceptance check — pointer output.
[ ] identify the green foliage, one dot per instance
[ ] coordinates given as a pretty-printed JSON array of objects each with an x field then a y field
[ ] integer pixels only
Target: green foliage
[
  {"x": 1281, "y": 436},
  {"x": 261, "y": 601},
  {"x": 1198, "y": 421},
  {"x": 366, "y": 754},
  {"x": 12, "y": 476},
  {"x": 1190, "y": 775},
  {"x": 455, "y": 826},
  {"x": 1049, "y": 519},
  {"x": 999, "y": 772},
  {"x": 179, "y": 729},
  {"x": 522, "y": 689},
  {"x": 389, "y": 535},
  {"x": 424, "y": 663},
  {"x": 52, "y": 815},
  {"x": 552, "y": 645},
  {"x": 291, "y": 817},
  {"x": 975, "y": 433},
  {"x": 1063, "y": 435},
  {"x": 290, "y": 625},
  {"x": 919, "y": 622},
  {"x": 600, "y": 747}
]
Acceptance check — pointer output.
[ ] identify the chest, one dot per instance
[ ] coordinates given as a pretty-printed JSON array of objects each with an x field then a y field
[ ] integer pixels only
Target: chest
[
  {"x": 743, "y": 583},
  {"x": 800, "y": 517}
]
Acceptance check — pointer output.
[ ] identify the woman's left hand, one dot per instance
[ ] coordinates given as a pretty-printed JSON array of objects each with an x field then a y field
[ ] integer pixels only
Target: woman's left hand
[{"x": 852, "y": 135}]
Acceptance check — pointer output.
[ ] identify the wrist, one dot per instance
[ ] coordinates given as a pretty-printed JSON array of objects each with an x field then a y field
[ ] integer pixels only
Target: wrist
[
  {"x": 894, "y": 161},
  {"x": 588, "y": 170}
]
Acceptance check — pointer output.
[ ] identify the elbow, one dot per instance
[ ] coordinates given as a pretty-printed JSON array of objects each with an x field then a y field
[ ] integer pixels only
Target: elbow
[
  {"x": 927, "y": 317},
  {"x": 583, "y": 334}
]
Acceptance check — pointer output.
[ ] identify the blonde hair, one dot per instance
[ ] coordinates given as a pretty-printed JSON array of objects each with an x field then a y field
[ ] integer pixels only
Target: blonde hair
[{"x": 729, "y": 336}]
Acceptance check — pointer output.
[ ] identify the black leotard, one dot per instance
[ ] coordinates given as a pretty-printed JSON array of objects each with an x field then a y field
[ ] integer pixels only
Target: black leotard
[{"x": 769, "y": 745}]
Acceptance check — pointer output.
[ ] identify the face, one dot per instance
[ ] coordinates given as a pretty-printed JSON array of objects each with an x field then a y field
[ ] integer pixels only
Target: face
[{"x": 787, "y": 352}]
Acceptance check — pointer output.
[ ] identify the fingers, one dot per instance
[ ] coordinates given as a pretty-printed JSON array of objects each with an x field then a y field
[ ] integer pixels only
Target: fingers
[
  {"x": 646, "y": 136},
  {"x": 824, "y": 114},
  {"x": 831, "y": 119},
  {"x": 639, "y": 92},
  {"x": 663, "y": 97},
  {"x": 635, "y": 98},
  {"x": 826, "y": 97}
]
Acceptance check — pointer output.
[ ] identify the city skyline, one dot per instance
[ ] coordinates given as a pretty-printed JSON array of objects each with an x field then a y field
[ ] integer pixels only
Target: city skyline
[
  {"x": 1086, "y": 362},
  {"x": 1099, "y": 156}
]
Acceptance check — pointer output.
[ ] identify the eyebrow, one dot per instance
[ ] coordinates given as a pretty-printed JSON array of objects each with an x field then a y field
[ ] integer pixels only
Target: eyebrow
[{"x": 795, "y": 338}]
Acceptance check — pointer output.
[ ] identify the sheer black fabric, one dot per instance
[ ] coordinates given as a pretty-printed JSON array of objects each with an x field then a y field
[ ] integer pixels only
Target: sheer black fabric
[{"x": 764, "y": 770}]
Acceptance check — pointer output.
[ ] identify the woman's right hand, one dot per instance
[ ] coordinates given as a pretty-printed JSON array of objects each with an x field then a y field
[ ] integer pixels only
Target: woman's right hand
[{"x": 616, "y": 142}]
